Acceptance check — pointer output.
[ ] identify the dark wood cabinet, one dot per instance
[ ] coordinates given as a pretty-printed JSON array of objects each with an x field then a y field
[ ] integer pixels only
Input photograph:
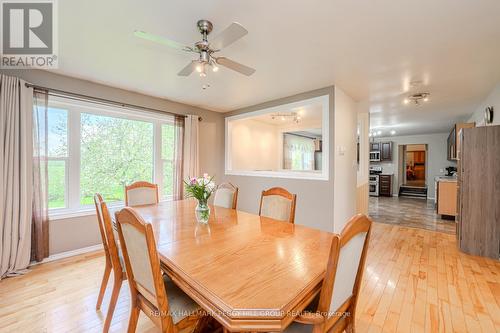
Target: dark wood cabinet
[
  {"x": 453, "y": 142},
  {"x": 386, "y": 151},
  {"x": 374, "y": 146},
  {"x": 385, "y": 185}
]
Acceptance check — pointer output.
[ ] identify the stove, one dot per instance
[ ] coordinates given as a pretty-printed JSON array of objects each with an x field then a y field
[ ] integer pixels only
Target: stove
[{"x": 373, "y": 180}]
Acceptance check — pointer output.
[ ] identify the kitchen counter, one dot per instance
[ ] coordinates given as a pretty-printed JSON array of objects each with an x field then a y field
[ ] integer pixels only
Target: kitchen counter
[
  {"x": 446, "y": 195},
  {"x": 445, "y": 179}
]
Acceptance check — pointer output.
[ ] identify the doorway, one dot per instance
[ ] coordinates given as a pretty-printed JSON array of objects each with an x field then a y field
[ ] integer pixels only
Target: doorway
[{"x": 415, "y": 165}]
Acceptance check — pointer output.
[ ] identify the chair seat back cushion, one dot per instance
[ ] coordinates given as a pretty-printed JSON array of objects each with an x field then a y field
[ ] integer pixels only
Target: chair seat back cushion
[
  {"x": 276, "y": 207},
  {"x": 141, "y": 196},
  {"x": 224, "y": 198},
  {"x": 137, "y": 250},
  {"x": 347, "y": 269}
]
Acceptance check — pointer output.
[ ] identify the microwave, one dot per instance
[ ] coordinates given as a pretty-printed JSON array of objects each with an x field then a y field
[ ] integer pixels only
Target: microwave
[{"x": 374, "y": 156}]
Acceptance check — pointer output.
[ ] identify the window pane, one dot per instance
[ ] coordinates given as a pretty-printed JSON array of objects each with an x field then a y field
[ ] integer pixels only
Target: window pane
[
  {"x": 167, "y": 142},
  {"x": 168, "y": 179},
  {"x": 114, "y": 152},
  {"x": 57, "y": 184},
  {"x": 57, "y": 132},
  {"x": 167, "y": 155}
]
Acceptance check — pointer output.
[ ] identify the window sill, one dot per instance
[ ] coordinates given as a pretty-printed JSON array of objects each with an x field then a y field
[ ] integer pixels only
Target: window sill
[
  {"x": 62, "y": 214},
  {"x": 66, "y": 214},
  {"x": 280, "y": 174}
]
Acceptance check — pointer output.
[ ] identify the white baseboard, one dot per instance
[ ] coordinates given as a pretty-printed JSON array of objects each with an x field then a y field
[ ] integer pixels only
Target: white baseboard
[{"x": 68, "y": 254}]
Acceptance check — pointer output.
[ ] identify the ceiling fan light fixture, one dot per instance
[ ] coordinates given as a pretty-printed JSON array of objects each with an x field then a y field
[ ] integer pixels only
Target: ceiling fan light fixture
[
  {"x": 215, "y": 68},
  {"x": 417, "y": 98},
  {"x": 199, "y": 68}
]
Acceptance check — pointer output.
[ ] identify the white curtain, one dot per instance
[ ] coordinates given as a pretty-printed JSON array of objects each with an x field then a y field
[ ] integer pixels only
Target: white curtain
[
  {"x": 191, "y": 149},
  {"x": 16, "y": 152},
  {"x": 298, "y": 152}
]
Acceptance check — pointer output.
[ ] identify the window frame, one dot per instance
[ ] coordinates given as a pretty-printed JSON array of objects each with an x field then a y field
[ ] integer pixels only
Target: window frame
[
  {"x": 323, "y": 174},
  {"x": 75, "y": 108}
]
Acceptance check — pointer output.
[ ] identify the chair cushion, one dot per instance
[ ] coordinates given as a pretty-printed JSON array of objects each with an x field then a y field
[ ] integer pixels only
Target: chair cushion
[
  {"x": 298, "y": 328},
  {"x": 276, "y": 207},
  {"x": 224, "y": 198},
  {"x": 180, "y": 304}
]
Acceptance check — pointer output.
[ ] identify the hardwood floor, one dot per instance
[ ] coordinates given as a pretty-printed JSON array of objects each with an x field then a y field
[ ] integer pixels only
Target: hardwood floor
[
  {"x": 409, "y": 212},
  {"x": 415, "y": 281}
]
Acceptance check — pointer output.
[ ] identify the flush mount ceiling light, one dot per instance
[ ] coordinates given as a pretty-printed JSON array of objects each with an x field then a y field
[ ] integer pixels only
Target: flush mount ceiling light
[
  {"x": 284, "y": 116},
  {"x": 417, "y": 98}
]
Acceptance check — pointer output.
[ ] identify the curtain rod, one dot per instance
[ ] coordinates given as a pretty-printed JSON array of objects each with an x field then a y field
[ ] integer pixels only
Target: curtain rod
[{"x": 81, "y": 97}]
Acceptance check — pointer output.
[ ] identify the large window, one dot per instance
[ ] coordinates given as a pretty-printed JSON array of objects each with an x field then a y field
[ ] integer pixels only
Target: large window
[{"x": 99, "y": 149}]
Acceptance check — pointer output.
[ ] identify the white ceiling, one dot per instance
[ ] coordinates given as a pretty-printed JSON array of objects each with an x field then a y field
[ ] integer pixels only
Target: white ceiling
[{"x": 370, "y": 49}]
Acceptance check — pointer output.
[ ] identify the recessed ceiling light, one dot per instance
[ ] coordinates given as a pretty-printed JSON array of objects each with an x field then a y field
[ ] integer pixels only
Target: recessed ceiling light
[
  {"x": 379, "y": 132},
  {"x": 393, "y": 132}
]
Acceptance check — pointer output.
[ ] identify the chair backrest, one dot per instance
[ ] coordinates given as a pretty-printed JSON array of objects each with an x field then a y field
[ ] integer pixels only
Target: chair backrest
[
  {"x": 279, "y": 204},
  {"x": 345, "y": 267},
  {"x": 226, "y": 196},
  {"x": 107, "y": 234},
  {"x": 141, "y": 260},
  {"x": 141, "y": 193}
]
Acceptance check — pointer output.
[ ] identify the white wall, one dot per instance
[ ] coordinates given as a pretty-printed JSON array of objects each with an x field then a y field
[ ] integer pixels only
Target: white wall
[
  {"x": 493, "y": 99},
  {"x": 254, "y": 145},
  {"x": 436, "y": 157},
  {"x": 345, "y": 161},
  {"x": 314, "y": 197}
]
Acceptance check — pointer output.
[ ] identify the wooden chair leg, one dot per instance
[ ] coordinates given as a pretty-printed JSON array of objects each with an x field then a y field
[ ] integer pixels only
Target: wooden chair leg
[
  {"x": 104, "y": 283},
  {"x": 134, "y": 317},
  {"x": 117, "y": 283}
]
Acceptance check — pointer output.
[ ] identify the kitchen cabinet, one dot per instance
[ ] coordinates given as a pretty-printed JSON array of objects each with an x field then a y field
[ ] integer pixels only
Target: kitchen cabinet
[
  {"x": 374, "y": 146},
  {"x": 385, "y": 185},
  {"x": 385, "y": 149},
  {"x": 447, "y": 198},
  {"x": 453, "y": 142}
]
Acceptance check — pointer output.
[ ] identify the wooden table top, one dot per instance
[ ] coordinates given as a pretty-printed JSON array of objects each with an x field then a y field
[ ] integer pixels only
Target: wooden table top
[{"x": 251, "y": 271}]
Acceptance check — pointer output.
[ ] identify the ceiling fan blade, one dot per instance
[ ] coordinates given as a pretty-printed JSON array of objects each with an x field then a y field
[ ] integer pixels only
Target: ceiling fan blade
[
  {"x": 186, "y": 71},
  {"x": 162, "y": 40},
  {"x": 228, "y": 36},
  {"x": 235, "y": 66}
]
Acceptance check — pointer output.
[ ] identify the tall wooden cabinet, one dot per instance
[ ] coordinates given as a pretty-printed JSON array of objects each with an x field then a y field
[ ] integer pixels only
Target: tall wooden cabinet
[{"x": 478, "y": 219}]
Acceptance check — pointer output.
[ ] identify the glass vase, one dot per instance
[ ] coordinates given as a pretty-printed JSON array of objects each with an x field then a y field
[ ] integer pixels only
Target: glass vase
[{"x": 202, "y": 212}]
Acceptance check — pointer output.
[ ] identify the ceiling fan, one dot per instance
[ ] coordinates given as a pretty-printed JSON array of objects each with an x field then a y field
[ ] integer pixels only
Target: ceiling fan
[{"x": 205, "y": 49}]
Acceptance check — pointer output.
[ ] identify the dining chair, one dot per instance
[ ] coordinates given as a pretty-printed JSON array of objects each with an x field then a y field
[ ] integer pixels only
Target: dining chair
[
  {"x": 336, "y": 309},
  {"x": 226, "y": 196},
  {"x": 141, "y": 193},
  {"x": 279, "y": 204},
  {"x": 159, "y": 298},
  {"x": 114, "y": 259}
]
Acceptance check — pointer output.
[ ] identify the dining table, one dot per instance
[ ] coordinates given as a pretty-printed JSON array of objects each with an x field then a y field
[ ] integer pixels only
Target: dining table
[{"x": 251, "y": 273}]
